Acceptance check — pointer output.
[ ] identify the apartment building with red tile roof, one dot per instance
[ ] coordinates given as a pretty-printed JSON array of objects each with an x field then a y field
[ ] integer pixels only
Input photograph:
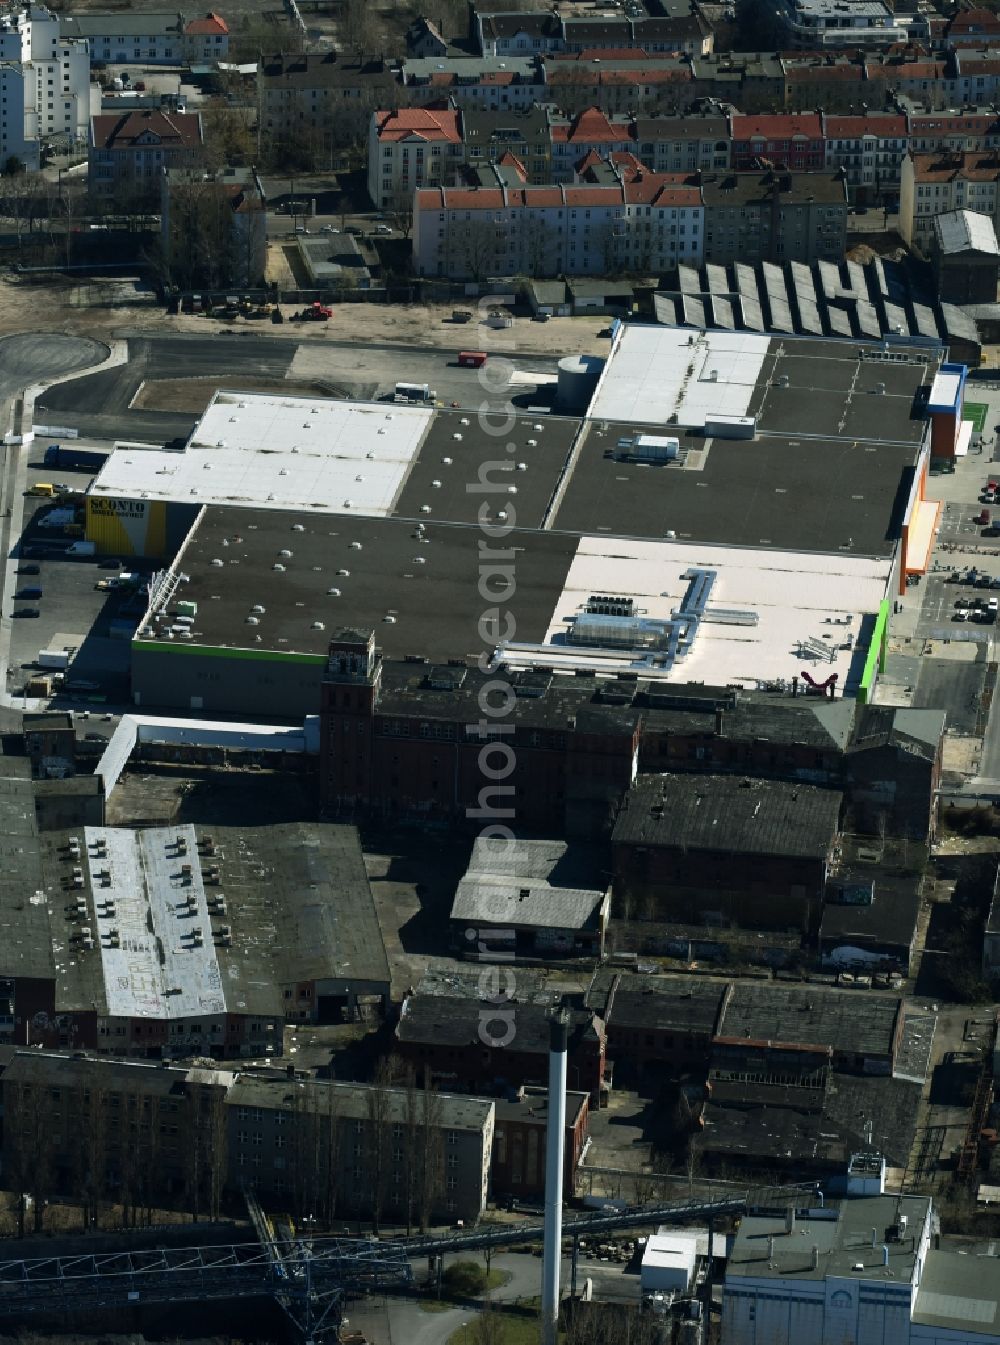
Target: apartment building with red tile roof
[
  {"x": 935, "y": 184},
  {"x": 646, "y": 223},
  {"x": 412, "y": 147},
  {"x": 129, "y": 152},
  {"x": 869, "y": 149},
  {"x": 792, "y": 140},
  {"x": 972, "y": 26}
]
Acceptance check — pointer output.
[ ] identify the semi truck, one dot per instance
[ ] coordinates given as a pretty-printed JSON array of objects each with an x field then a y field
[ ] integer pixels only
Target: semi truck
[
  {"x": 414, "y": 392},
  {"x": 83, "y": 459}
]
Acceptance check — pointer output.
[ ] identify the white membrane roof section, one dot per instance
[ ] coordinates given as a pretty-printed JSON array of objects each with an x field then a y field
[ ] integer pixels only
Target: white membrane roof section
[
  {"x": 143, "y": 891},
  {"x": 657, "y": 372},
  {"x": 944, "y": 389},
  {"x": 796, "y": 596},
  {"x": 279, "y": 453}
]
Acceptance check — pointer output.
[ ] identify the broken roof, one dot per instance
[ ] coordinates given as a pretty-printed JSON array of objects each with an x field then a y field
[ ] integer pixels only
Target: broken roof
[{"x": 730, "y": 815}]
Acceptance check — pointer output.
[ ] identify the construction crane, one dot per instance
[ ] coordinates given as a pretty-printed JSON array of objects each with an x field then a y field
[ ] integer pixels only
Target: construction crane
[{"x": 308, "y": 1277}]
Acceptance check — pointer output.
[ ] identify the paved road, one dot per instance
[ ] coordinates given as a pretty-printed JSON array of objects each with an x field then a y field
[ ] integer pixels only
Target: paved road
[
  {"x": 401, "y": 1321},
  {"x": 98, "y": 404},
  {"x": 953, "y": 687},
  {"x": 39, "y": 357}
]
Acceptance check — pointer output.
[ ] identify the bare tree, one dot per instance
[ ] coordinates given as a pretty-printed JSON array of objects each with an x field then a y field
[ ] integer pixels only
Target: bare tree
[
  {"x": 378, "y": 1136},
  {"x": 29, "y": 1148},
  {"x": 431, "y": 1168},
  {"x": 90, "y": 1158},
  {"x": 475, "y": 245},
  {"x": 490, "y": 1327},
  {"x": 359, "y": 30},
  {"x": 401, "y": 211}
]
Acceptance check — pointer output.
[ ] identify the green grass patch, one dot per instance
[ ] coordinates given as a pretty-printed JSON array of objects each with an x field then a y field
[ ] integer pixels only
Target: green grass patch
[
  {"x": 514, "y": 1331},
  {"x": 976, "y": 412}
]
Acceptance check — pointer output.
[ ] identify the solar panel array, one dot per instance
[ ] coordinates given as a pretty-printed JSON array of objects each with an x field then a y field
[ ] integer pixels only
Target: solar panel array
[{"x": 824, "y": 298}]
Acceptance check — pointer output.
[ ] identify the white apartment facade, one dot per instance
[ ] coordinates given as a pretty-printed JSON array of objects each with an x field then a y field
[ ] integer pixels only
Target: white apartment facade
[
  {"x": 124, "y": 37},
  {"x": 44, "y": 86},
  {"x": 934, "y": 184},
  {"x": 650, "y": 224},
  {"x": 870, "y": 149},
  {"x": 412, "y": 147}
]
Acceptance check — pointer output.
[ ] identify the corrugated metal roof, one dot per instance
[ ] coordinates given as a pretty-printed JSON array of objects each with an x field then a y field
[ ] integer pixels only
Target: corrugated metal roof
[{"x": 965, "y": 231}]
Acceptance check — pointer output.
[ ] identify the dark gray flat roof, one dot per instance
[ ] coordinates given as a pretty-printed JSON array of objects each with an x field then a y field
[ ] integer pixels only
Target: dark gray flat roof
[
  {"x": 642, "y": 1002},
  {"x": 541, "y": 443},
  {"x": 844, "y": 1241},
  {"x": 729, "y": 815},
  {"x": 847, "y": 1020},
  {"x": 25, "y": 944},
  {"x": 804, "y": 1130},
  {"x": 781, "y": 492},
  {"x": 430, "y": 585},
  {"x": 831, "y": 392}
]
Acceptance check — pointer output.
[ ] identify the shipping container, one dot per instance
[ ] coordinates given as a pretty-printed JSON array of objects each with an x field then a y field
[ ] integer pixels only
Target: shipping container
[{"x": 53, "y": 658}]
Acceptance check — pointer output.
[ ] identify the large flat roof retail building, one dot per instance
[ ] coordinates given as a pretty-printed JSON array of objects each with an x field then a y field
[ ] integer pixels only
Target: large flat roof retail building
[{"x": 732, "y": 508}]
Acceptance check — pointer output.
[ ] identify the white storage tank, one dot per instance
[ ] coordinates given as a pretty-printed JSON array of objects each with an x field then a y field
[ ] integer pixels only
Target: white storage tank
[{"x": 578, "y": 375}]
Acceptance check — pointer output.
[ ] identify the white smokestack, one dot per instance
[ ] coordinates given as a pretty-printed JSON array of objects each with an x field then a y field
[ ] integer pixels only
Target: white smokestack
[{"x": 554, "y": 1162}]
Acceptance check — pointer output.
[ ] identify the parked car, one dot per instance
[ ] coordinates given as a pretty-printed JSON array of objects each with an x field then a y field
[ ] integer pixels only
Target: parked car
[
  {"x": 29, "y": 569},
  {"x": 26, "y": 611},
  {"x": 28, "y": 595},
  {"x": 329, "y": 229}
]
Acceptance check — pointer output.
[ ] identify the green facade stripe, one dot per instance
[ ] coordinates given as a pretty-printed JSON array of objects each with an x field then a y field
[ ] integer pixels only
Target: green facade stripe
[
  {"x": 216, "y": 651},
  {"x": 875, "y": 661}
]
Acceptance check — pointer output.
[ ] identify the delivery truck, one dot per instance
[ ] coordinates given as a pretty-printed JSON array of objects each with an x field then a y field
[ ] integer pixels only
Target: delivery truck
[
  {"x": 83, "y": 459},
  {"x": 53, "y": 658}
]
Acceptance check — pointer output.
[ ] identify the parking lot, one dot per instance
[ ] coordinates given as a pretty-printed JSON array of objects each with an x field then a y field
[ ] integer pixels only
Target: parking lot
[
  {"x": 71, "y": 610},
  {"x": 944, "y": 636}
]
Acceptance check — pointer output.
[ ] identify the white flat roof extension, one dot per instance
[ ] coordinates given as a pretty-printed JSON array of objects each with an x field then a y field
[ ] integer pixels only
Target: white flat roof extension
[
  {"x": 656, "y": 372},
  {"x": 158, "y": 970},
  {"x": 279, "y": 453},
  {"x": 796, "y": 595}
]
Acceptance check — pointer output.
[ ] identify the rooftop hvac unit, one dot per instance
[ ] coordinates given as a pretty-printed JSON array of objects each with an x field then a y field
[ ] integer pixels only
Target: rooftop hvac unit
[{"x": 649, "y": 448}]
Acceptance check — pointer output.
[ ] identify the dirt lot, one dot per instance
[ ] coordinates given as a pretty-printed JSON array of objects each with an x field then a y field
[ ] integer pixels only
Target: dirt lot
[
  {"x": 194, "y": 394},
  {"x": 117, "y": 309}
]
